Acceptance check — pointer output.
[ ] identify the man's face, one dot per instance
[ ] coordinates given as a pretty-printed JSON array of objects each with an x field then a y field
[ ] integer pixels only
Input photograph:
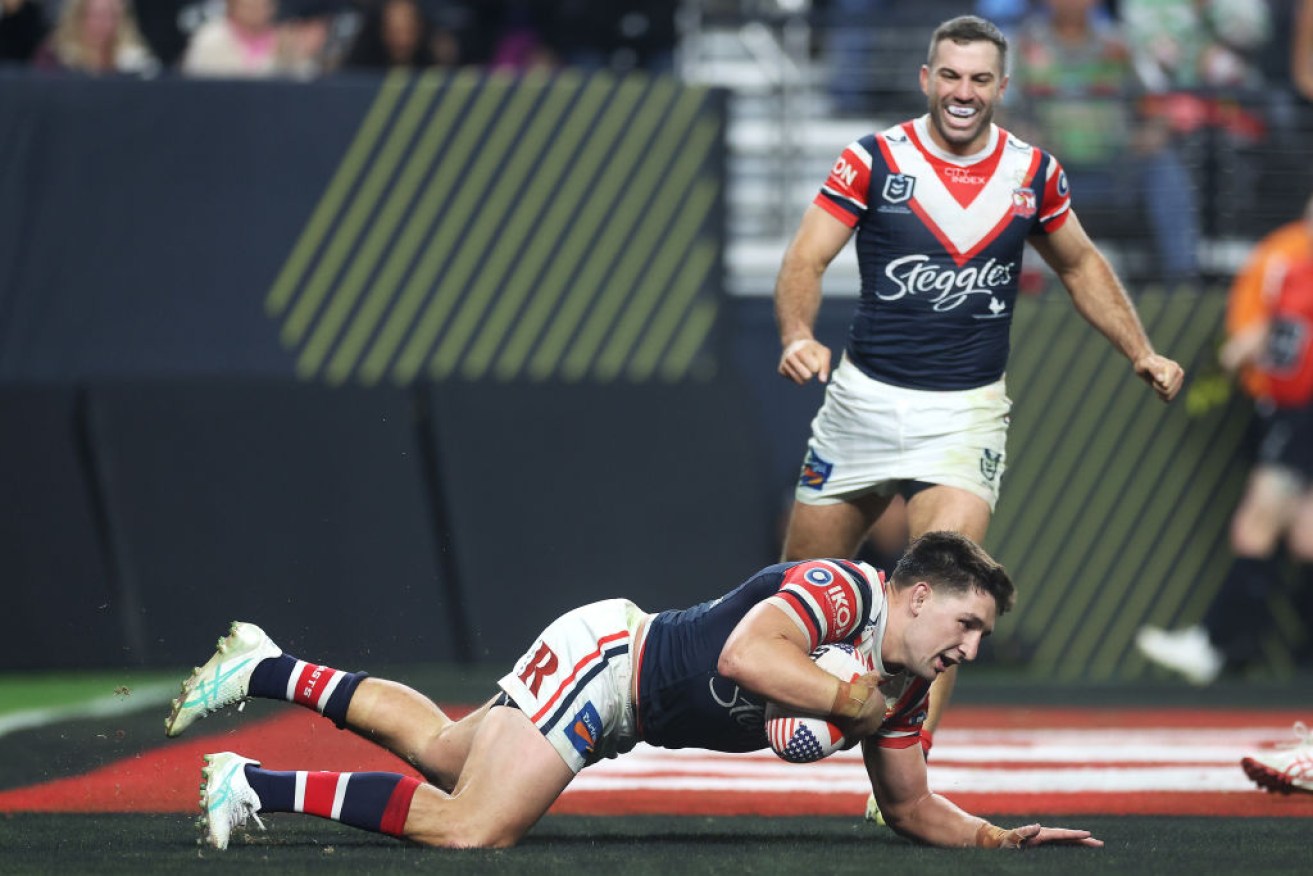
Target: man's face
[
  {"x": 100, "y": 22},
  {"x": 946, "y": 629},
  {"x": 962, "y": 84},
  {"x": 401, "y": 28},
  {"x": 253, "y": 15}
]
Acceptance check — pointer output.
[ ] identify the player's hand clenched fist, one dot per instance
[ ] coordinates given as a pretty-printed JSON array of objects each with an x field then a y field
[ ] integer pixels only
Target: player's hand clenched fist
[
  {"x": 1164, "y": 375},
  {"x": 804, "y": 359}
]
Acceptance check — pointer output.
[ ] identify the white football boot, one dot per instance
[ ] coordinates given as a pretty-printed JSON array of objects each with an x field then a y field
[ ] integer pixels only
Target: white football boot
[
  {"x": 224, "y": 679},
  {"x": 1287, "y": 767},
  {"x": 227, "y": 799},
  {"x": 1188, "y": 652}
]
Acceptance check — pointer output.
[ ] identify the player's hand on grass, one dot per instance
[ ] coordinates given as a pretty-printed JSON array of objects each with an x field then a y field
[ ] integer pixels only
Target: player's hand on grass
[
  {"x": 1164, "y": 375},
  {"x": 1037, "y": 835},
  {"x": 804, "y": 359}
]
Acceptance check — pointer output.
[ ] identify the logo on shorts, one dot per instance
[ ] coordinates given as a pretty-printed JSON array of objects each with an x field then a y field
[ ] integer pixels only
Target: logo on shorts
[
  {"x": 989, "y": 463},
  {"x": 585, "y": 729},
  {"x": 815, "y": 471}
]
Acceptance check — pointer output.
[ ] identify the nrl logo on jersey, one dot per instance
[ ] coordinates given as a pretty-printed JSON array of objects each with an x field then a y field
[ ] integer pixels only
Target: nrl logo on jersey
[{"x": 898, "y": 187}]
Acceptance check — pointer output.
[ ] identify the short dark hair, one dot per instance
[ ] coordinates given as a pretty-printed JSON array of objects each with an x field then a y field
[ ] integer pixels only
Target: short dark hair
[
  {"x": 969, "y": 29},
  {"x": 951, "y": 562}
]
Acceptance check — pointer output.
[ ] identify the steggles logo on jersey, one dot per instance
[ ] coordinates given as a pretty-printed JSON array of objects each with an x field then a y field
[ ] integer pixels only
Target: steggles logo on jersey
[
  {"x": 898, "y": 187},
  {"x": 744, "y": 712},
  {"x": 919, "y": 275}
]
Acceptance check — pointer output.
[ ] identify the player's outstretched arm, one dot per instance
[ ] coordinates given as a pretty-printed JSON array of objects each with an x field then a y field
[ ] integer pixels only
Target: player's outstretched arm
[
  {"x": 898, "y": 778},
  {"x": 1102, "y": 300}
]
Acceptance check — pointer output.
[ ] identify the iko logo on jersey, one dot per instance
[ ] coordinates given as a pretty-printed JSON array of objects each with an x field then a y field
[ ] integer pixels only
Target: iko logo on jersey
[
  {"x": 919, "y": 275},
  {"x": 844, "y": 172},
  {"x": 585, "y": 730},
  {"x": 815, "y": 471},
  {"x": 841, "y": 609}
]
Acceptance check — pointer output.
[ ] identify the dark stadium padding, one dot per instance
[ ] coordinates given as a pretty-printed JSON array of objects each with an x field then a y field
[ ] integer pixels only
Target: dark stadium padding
[
  {"x": 298, "y": 506},
  {"x": 564, "y": 494},
  {"x": 60, "y": 610}
]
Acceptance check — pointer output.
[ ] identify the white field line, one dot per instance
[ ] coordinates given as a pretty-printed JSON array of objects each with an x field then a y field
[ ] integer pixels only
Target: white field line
[
  {"x": 107, "y": 706},
  {"x": 1153, "y": 759},
  {"x": 947, "y": 780}
]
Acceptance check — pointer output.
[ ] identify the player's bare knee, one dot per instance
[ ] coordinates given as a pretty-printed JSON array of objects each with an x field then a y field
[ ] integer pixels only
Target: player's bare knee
[
  {"x": 462, "y": 831},
  {"x": 440, "y": 757}
]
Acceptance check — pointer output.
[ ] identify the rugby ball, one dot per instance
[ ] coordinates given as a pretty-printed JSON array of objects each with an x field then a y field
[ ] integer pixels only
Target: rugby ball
[{"x": 807, "y": 738}]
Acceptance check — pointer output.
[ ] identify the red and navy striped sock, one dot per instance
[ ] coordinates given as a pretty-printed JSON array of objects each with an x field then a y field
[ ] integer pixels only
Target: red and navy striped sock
[
  {"x": 313, "y": 685},
  {"x": 371, "y": 801}
]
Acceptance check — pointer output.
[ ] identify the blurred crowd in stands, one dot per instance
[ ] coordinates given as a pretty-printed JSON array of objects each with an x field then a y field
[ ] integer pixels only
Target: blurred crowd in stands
[
  {"x": 1176, "y": 120},
  {"x": 307, "y": 38},
  {"x": 1142, "y": 100}
]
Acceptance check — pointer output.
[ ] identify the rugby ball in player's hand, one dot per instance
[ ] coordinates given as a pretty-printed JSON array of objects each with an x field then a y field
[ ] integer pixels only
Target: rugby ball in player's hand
[{"x": 807, "y": 738}]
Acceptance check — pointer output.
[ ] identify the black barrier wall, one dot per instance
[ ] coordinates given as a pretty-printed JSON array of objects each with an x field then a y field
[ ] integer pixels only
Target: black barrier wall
[{"x": 399, "y": 366}]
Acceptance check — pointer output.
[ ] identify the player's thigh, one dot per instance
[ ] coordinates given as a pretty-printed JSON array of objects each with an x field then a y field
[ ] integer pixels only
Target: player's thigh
[
  {"x": 1265, "y": 509},
  {"x": 512, "y": 776},
  {"x": 942, "y": 507},
  {"x": 833, "y": 529}
]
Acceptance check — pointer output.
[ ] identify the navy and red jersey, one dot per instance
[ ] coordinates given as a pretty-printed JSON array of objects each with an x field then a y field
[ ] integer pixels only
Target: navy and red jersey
[
  {"x": 940, "y": 240},
  {"x": 684, "y": 703}
]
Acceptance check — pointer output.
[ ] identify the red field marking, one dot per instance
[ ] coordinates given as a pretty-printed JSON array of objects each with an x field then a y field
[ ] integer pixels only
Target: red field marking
[{"x": 1012, "y": 761}]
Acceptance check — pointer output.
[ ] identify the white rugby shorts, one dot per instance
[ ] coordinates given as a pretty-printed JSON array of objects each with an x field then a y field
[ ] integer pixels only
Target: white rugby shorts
[
  {"x": 869, "y": 436},
  {"x": 575, "y": 682}
]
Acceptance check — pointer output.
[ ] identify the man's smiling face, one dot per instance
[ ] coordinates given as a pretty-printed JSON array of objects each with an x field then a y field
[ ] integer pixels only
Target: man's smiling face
[{"x": 962, "y": 85}]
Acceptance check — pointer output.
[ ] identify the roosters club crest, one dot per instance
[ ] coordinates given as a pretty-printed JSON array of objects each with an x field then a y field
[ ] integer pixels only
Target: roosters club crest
[{"x": 1023, "y": 202}]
